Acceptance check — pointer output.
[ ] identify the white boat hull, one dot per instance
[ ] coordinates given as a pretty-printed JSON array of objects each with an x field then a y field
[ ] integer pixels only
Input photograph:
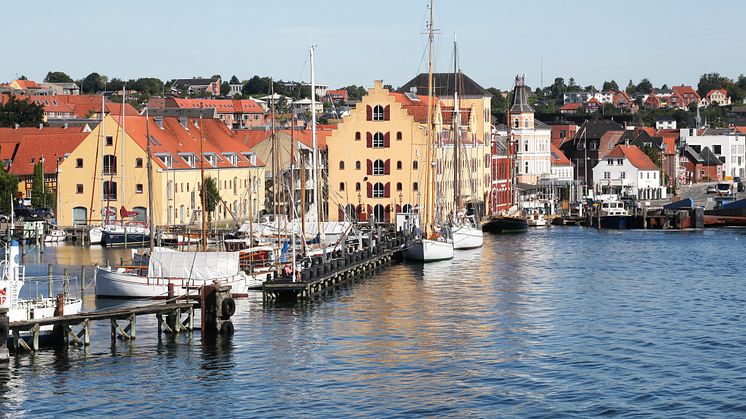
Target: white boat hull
[
  {"x": 55, "y": 236},
  {"x": 467, "y": 237},
  {"x": 116, "y": 284},
  {"x": 94, "y": 235},
  {"x": 429, "y": 250}
]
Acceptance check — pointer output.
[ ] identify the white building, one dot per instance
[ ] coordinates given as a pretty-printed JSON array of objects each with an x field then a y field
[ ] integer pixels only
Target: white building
[
  {"x": 576, "y": 97},
  {"x": 627, "y": 171},
  {"x": 725, "y": 143},
  {"x": 533, "y": 138},
  {"x": 665, "y": 122},
  {"x": 562, "y": 169}
]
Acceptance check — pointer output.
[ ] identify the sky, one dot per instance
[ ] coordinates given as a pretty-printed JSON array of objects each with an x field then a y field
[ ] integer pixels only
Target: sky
[{"x": 669, "y": 42}]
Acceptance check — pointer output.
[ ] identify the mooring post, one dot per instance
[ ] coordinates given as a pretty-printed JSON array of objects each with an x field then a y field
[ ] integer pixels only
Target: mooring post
[
  {"x": 50, "y": 285},
  {"x": 40, "y": 240},
  {"x": 82, "y": 280},
  {"x": 4, "y": 353},
  {"x": 59, "y": 307},
  {"x": 66, "y": 281},
  {"x": 22, "y": 239}
]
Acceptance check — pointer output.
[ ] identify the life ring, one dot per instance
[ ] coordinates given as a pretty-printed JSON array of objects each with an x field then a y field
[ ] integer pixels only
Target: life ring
[{"x": 2, "y": 296}]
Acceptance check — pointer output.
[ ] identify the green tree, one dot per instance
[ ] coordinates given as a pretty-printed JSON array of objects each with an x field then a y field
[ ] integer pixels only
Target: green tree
[
  {"x": 225, "y": 88},
  {"x": 21, "y": 112},
  {"x": 212, "y": 196},
  {"x": 8, "y": 189},
  {"x": 57, "y": 77},
  {"x": 631, "y": 88},
  {"x": 644, "y": 86},
  {"x": 115, "y": 85},
  {"x": 93, "y": 83},
  {"x": 256, "y": 86},
  {"x": 150, "y": 85},
  {"x": 355, "y": 92},
  {"x": 38, "y": 188},
  {"x": 655, "y": 155},
  {"x": 610, "y": 85},
  {"x": 235, "y": 80}
]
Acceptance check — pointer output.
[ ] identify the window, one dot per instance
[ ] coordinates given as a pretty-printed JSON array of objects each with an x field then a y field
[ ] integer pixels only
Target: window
[
  {"x": 189, "y": 158},
  {"x": 378, "y": 140},
  {"x": 341, "y": 186},
  {"x": 525, "y": 123},
  {"x": 357, "y": 165},
  {"x": 231, "y": 157},
  {"x": 415, "y": 165},
  {"x": 398, "y": 136},
  {"x": 525, "y": 145},
  {"x": 607, "y": 175},
  {"x": 562, "y": 134},
  {"x": 378, "y": 113},
  {"x": 341, "y": 165},
  {"x": 357, "y": 186},
  {"x": 138, "y": 188},
  {"x": 110, "y": 190},
  {"x": 79, "y": 188},
  {"x": 642, "y": 175},
  {"x": 357, "y": 136},
  {"x": 515, "y": 123},
  {"x": 592, "y": 146},
  {"x": 398, "y": 165},
  {"x": 110, "y": 164},
  {"x": 415, "y": 186},
  {"x": 378, "y": 190},
  {"x": 398, "y": 186},
  {"x": 526, "y": 168},
  {"x": 211, "y": 158},
  {"x": 610, "y": 162},
  {"x": 717, "y": 149},
  {"x": 654, "y": 175},
  {"x": 620, "y": 161},
  {"x": 166, "y": 159},
  {"x": 78, "y": 163},
  {"x": 109, "y": 140},
  {"x": 648, "y": 175},
  {"x": 623, "y": 175},
  {"x": 138, "y": 162},
  {"x": 379, "y": 167}
]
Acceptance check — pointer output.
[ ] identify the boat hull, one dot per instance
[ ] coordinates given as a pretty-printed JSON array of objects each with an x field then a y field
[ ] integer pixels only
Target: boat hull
[
  {"x": 467, "y": 237},
  {"x": 616, "y": 222},
  {"x": 505, "y": 225},
  {"x": 114, "y": 284},
  {"x": 110, "y": 239},
  {"x": 429, "y": 251},
  {"x": 94, "y": 235}
]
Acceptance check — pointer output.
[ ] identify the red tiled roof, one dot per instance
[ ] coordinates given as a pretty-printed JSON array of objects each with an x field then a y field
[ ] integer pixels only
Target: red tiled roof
[
  {"x": 670, "y": 138},
  {"x": 251, "y": 138},
  {"x": 220, "y": 105},
  {"x": 683, "y": 90},
  {"x": 594, "y": 101},
  {"x": 561, "y": 159},
  {"x": 28, "y": 84},
  {"x": 174, "y": 139},
  {"x": 418, "y": 109},
  {"x": 26, "y": 146},
  {"x": 711, "y": 92},
  {"x": 572, "y": 107},
  {"x": 635, "y": 156}
]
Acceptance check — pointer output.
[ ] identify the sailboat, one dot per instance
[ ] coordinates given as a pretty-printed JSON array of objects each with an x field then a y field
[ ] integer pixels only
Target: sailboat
[
  {"x": 437, "y": 245},
  {"x": 466, "y": 233}
]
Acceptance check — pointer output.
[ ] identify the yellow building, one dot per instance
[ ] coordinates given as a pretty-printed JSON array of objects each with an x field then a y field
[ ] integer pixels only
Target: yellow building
[
  {"x": 377, "y": 156},
  {"x": 95, "y": 175}
]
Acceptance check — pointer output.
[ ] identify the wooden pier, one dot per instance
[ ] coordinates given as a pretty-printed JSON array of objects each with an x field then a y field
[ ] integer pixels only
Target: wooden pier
[{"x": 322, "y": 277}]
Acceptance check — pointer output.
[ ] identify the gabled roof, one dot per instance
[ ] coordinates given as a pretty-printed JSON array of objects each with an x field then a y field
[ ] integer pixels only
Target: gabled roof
[
  {"x": 444, "y": 85},
  {"x": 595, "y": 129},
  {"x": 685, "y": 90},
  {"x": 711, "y": 92},
  {"x": 26, "y": 146},
  {"x": 594, "y": 101},
  {"x": 221, "y": 105},
  {"x": 174, "y": 139},
  {"x": 692, "y": 155},
  {"x": 415, "y": 105},
  {"x": 709, "y": 158},
  {"x": 635, "y": 156},
  {"x": 195, "y": 81},
  {"x": 572, "y": 107},
  {"x": 28, "y": 84},
  {"x": 558, "y": 158}
]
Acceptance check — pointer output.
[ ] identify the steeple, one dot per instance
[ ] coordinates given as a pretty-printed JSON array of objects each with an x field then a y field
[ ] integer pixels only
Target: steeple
[{"x": 520, "y": 97}]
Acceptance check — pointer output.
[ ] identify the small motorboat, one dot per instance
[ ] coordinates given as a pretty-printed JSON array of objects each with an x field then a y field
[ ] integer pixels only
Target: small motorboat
[{"x": 55, "y": 235}]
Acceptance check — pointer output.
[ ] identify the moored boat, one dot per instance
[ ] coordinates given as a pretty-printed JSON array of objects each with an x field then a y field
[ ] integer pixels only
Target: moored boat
[
  {"x": 424, "y": 250},
  {"x": 505, "y": 224}
]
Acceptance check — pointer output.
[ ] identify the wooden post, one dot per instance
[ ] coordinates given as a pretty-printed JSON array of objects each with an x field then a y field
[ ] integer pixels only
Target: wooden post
[
  {"x": 50, "y": 285},
  {"x": 66, "y": 281},
  {"x": 82, "y": 280},
  {"x": 40, "y": 240},
  {"x": 4, "y": 353}
]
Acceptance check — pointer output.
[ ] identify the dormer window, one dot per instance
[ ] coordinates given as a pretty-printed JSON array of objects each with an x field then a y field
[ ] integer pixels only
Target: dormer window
[
  {"x": 211, "y": 158},
  {"x": 232, "y": 158},
  {"x": 251, "y": 157},
  {"x": 190, "y": 158},
  {"x": 166, "y": 159}
]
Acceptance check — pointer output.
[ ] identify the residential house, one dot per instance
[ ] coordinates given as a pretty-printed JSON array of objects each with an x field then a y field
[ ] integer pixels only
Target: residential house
[
  {"x": 335, "y": 96},
  {"x": 621, "y": 100},
  {"x": 235, "y": 113},
  {"x": 726, "y": 143},
  {"x": 628, "y": 171},
  {"x": 532, "y": 138},
  {"x": 665, "y": 122},
  {"x": 576, "y": 97},
  {"x": 593, "y": 105},
  {"x": 687, "y": 94},
  {"x": 109, "y": 169},
  {"x": 303, "y": 106},
  {"x": 198, "y": 85},
  {"x": 717, "y": 97},
  {"x": 235, "y": 89},
  {"x": 563, "y": 131},
  {"x": 572, "y": 108},
  {"x": 593, "y": 140},
  {"x": 562, "y": 169},
  {"x": 702, "y": 166}
]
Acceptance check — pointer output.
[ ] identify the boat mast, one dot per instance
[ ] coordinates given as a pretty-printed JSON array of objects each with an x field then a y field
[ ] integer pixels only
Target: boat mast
[
  {"x": 149, "y": 167},
  {"x": 314, "y": 173},
  {"x": 456, "y": 136},
  {"x": 275, "y": 182},
  {"x": 429, "y": 183},
  {"x": 121, "y": 164},
  {"x": 291, "y": 213},
  {"x": 202, "y": 185},
  {"x": 100, "y": 146}
]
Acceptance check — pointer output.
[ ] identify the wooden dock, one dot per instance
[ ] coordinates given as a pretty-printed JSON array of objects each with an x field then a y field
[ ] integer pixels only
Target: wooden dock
[{"x": 323, "y": 277}]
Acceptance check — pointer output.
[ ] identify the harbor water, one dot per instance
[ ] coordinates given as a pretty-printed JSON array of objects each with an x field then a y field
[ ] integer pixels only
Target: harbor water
[{"x": 560, "y": 321}]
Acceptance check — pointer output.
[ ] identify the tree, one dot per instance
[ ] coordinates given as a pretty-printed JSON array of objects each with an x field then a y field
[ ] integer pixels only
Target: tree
[
  {"x": 39, "y": 188},
  {"x": 23, "y": 77},
  {"x": 21, "y": 112},
  {"x": 235, "y": 80},
  {"x": 355, "y": 92},
  {"x": 57, "y": 77},
  {"x": 115, "y": 85},
  {"x": 256, "y": 85},
  {"x": 225, "y": 88},
  {"x": 93, "y": 83},
  {"x": 664, "y": 87},
  {"x": 590, "y": 88},
  {"x": 610, "y": 85},
  {"x": 8, "y": 189},
  {"x": 212, "y": 196},
  {"x": 150, "y": 85},
  {"x": 631, "y": 88},
  {"x": 644, "y": 86},
  {"x": 654, "y": 155}
]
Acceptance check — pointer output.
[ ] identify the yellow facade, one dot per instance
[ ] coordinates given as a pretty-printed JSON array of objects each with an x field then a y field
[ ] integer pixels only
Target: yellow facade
[
  {"x": 349, "y": 178},
  {"x": 176, "y": 191}
]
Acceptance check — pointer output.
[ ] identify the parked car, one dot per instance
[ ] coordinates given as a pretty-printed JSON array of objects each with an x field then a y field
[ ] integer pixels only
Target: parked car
[
  {"x": 712, "y": 189},
  {"x": 45, "y": 213},
  {"x": 24, "y": 213}
]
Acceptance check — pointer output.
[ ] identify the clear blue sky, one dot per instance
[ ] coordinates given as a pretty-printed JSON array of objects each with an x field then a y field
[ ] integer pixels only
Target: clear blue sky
[{"x": 358, "y": 41}]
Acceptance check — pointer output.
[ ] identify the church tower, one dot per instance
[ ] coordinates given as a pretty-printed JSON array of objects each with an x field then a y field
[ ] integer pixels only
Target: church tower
[{"x": 521, "y": 113}]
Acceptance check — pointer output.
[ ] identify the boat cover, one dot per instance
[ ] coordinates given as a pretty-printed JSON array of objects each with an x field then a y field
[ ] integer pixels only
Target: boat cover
[
  {"x": 206, "y": 266},
  {"x": 684, "y": 203}
]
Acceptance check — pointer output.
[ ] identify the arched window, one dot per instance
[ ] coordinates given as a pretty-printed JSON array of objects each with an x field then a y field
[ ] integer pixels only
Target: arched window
[
  {"x": 379, "y": 212},
  {"x": 378, "y": 190},
  {"x": 235, "y": 186},
  {"x": 407, "y": 208},
  {"x": 379, "y": 167},
  {"x": 398, "y": 186},
  {"x": 378, "y": 140},
  {"x": 110, "y": 190},
  {"x": 357, "y": 136},
  {"x": 341, "y": 186},
  {"x": 350, "y": 213},
  {"x": 357, "y": 165},
  {"x": 515, "y": 123},
  {"x": 415, "y": 165},
  {"x": 378, "y": 113},
  {"x": 525, "y": 123},
  {"x": 398, "y": 165},
  {"x": 110, "y": 164},
  {"x": 341, "y": 165},
  {"x": 415, "y": 186},
  {"x": 357, "y": 186},
  {"x": 398, "y": 136}
]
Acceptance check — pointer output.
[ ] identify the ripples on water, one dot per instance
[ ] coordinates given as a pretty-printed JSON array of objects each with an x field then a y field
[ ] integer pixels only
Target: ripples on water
[{"x": 565, "y": 321}]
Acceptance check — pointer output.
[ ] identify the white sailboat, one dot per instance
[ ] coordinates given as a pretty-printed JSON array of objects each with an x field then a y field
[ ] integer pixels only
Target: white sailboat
[
  {"x": 12, "y": 279},
  {"x": 435, "y": 246}
]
